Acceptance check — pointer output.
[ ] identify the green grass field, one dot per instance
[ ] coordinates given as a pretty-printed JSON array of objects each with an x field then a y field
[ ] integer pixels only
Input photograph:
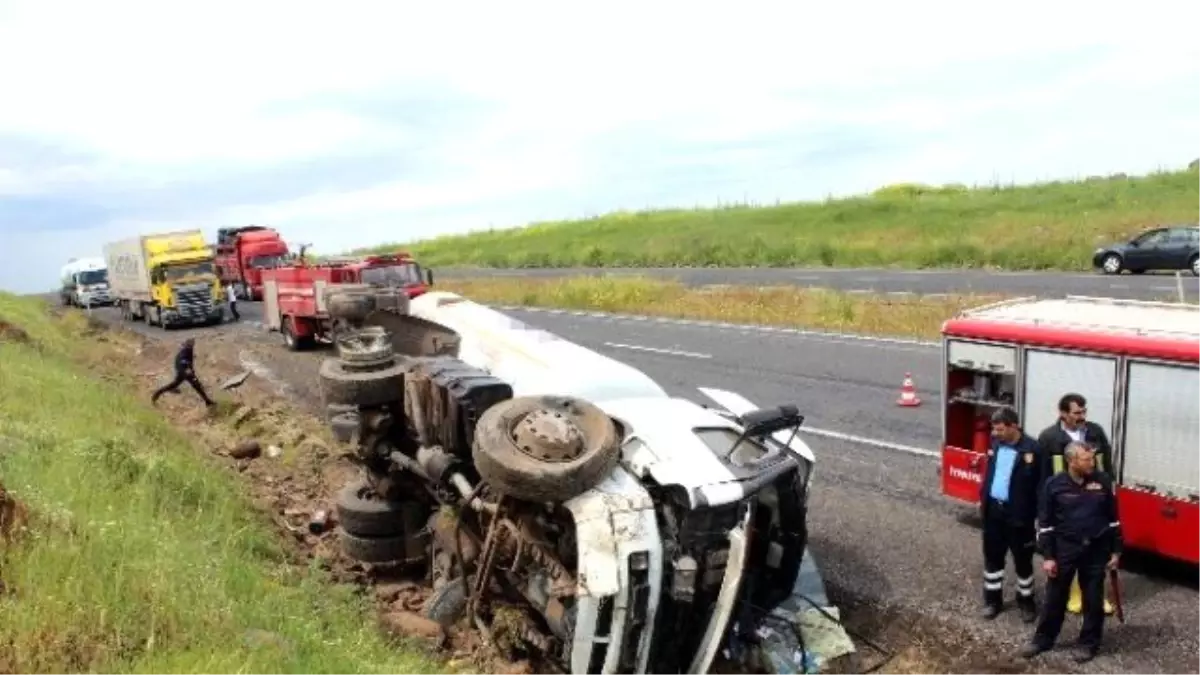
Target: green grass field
[
  {"x": 1046, "y": 226},
  {"x": 143, "y": 555}
]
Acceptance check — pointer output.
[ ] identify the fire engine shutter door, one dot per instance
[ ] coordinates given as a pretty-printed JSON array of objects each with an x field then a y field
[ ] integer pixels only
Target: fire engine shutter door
[
  {"x": 271, "y": 303},
  {"x": 1049, "y": 375},
  {"x": 1162, "y": 428}
]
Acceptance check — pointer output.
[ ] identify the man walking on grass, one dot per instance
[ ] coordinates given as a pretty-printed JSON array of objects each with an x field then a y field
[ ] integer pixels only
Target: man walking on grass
[{"x": 184, "y": 372}]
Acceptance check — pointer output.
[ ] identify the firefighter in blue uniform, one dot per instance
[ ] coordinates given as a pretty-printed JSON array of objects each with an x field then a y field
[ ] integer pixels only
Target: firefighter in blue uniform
[
  {"x": 1008, "y": 504},
  {"x": 1079, "y": 534}
]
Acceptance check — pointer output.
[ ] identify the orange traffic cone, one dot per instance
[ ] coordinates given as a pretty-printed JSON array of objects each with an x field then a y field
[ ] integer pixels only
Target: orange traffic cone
[{"x": 908, "y": 393}]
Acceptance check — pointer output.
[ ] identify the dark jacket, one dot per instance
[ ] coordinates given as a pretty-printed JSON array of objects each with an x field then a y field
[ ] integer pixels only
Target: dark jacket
[
  {"x": 1071, "y": 514},
  {"x": 1053, "y": 440},
  {"x": 1023, "y": 483},
  {"x": 184, "y": 360}
]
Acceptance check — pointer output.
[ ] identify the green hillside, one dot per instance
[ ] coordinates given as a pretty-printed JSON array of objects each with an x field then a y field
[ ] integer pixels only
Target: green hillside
[{"x": 1052, "y": 225}]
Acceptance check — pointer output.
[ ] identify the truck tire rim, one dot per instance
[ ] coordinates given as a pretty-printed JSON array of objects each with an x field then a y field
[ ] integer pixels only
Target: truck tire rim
[
  {"x": 548, "y": 436},
  {"x": 365, "y": 345},
  {"x": 1112, "y": 263}
]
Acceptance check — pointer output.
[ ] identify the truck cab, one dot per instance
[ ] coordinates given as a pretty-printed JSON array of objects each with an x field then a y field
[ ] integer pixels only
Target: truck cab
[
  {"x": 242, "y": 253},
  {"x": 85, "y": 283}
]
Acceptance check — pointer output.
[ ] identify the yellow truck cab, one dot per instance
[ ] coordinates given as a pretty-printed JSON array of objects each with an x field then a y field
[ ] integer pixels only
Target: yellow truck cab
[{"x": 166, "y": 279}]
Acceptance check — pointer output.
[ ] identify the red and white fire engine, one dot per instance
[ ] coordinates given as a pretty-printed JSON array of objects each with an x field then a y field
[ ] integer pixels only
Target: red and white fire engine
[
  {"x": 294, "y": 296},
  {"x": 1138, "y": 365}
]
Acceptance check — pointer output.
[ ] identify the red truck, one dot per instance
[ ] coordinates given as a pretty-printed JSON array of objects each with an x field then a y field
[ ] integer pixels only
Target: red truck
[
  {"x": 294, "y": 295},
  {"x": 242, "y": 253}
]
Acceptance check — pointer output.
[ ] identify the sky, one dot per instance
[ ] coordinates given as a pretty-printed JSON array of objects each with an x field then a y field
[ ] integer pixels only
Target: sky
[{"x": 394, "y": 121}]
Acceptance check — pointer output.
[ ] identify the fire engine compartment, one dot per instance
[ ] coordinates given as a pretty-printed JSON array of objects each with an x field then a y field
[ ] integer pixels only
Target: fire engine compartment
[{"x": 1136, "y": 364}]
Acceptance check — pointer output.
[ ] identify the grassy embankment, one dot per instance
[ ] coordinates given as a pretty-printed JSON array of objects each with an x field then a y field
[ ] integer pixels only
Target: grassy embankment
[
  {"x": 819, "y": 309},
  {"x": 1046, "y": 226},
  {"x": 142, "y": 554}
]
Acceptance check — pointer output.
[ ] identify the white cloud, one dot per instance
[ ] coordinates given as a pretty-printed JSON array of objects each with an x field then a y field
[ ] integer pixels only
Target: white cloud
[{"x": 132, "y": 113}]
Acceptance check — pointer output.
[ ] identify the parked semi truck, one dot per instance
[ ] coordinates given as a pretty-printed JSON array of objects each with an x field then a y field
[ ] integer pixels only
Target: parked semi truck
[
  {"x": 167, "y": 279},
  {"x": 242, "y": 253},
  {"x": 85, "y": 283}
]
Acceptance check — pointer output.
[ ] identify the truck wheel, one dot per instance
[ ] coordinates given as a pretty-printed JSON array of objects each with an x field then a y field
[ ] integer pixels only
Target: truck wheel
[
  {"x": 363, "y": 513},
  {"x": 350, "y": 305},
  {"x": 401, "y": 548},
  {"x": 447, "y": 603},
  {"x": 374, "y": 388},
  {"x": 367, "y": 348},
  {"x": 345, "y": 425},
  {"x": 545, "y": 448},
  {"x": 291, "y": 340}
]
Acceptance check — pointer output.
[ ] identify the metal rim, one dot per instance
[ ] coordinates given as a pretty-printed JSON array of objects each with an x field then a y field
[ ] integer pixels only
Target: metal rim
[
  {"x": 1111, "y": 264},
  {"x": 548, "y": 436},
  {"x": 365, "y": 345}
]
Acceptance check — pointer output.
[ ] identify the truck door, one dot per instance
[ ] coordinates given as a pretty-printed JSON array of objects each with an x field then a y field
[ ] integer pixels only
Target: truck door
[
  {"x": 1160, "y": 468},
  {"x": 271, "y": 304}
]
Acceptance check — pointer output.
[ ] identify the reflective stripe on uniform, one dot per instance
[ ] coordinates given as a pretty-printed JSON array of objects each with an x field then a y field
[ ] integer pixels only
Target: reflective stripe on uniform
[
  {"x": 1025, "y": 586},
  {"x": 1058, "y": 463},
  {"x": 1044, "y": 530},
  {"x": 1115, "y": 524}
]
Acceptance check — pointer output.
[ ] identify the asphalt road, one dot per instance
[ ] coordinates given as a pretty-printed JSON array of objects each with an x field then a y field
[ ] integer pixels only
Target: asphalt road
[
  {"x": 881, "y": 530},
  {"x": 922, "y": 282}
]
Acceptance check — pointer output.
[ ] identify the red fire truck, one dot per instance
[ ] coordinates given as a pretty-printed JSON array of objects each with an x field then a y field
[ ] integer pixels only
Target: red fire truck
[
  {"x": 1138, "y": 365},
  {"x": 294, "y": 295},
  {"x": 243, "y": 252}
]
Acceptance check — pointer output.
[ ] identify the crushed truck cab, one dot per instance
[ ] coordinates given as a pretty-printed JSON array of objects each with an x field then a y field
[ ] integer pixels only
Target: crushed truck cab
[{"x": 636, "y": 531}]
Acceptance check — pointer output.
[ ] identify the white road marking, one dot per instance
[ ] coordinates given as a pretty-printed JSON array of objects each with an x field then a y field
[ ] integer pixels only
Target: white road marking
[
  {"x": 831, "y": 336},
  {"x": 659, "y": 350},
  {"x": 873, "y": 442}
]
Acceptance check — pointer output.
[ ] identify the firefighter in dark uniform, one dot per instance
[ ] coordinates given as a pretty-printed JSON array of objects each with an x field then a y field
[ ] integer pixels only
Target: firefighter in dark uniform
[
  {"x": 1008, "y": 504},
  {"x": 185, "y": 360},
  {"x": 1073, "y": 426},
  {"x": 1079, "y": 535}
]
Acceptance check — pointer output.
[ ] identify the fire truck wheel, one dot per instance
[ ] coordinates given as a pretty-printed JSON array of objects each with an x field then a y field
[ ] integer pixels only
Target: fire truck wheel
[
  {"x": 365, "y": 389},
  {"x": 545, "y": 448},
  {"x": 350, "y": 306},
  {"x": 363, "y": 513}
]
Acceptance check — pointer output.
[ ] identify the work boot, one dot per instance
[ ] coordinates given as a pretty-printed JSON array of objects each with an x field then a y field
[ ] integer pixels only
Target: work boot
[
  {"x": 1028, "y": 611},
  {"x": 1033, "y": 649},
  {"x": 989, "y": 611}
]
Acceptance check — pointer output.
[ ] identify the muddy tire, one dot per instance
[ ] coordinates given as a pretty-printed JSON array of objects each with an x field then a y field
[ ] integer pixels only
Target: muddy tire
[
  {"x": 345, "y": 426},
  {"x": 365, "y": 349},
  {"x": 393, "y": 549},
  {"x": 363, "y": 513},
  {"x": 350, "y": 304},
  {"x": 365, "y": 389},
  {"x": 545, "y": 448},
  {"x": 396, "y": 302},
  {"x": 447, "y": 604}
]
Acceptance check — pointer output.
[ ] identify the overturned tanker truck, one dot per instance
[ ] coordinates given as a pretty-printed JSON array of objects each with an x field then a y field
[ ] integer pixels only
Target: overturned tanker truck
[{"x": 562, "y": 497}]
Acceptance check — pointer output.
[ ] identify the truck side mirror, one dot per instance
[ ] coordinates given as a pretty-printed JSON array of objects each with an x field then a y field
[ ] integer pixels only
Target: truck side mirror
[{"x": 429, "y": 277}]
